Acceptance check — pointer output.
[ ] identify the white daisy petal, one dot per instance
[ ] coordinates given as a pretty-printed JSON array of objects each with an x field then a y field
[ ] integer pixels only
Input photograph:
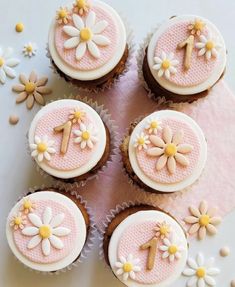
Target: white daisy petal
[
  {"x": 71, "y": 31},
  {"x": 56, "y": 242},
  {"x": 2, "y": 76},
  {"x": 100, "y": 27},
  {"x": 93, "y": 49},
  {"x": 12, "y": 62},
  {"x": 34, "y": 242},
  {"x": 47, "y": 215},
  {"x": 57, "y": 220},
  {"x": 61, "y": 231},
  {"x": 90, "y": 20},
  {"x": 71, "y": 43},
  {"x": 192, "y": 281},
  {"x": 35, "y": 219},
  {"x": 81, "y": 50},
  {"x": 30, "y": 231},
  {"x": 101, "y": 40},
  {"x": 210, "y": 281},
  {"x": 189, "y": 272},
  {"x": 9, "y": 72},
  {"x": 78, "y": 22},
  {"x": 46, "y": 247}
]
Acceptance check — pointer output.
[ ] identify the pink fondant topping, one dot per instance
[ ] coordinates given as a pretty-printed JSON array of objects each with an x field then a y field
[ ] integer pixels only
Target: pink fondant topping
[
  {"x": 88, "y": 62},
  {"x": 36, "y": 254},
  {"x": 148, "y": 164},
  {"x": 75, "y": 157},
  {"x": 135, "y": 236},
  {"x": 200, "y": 69}
]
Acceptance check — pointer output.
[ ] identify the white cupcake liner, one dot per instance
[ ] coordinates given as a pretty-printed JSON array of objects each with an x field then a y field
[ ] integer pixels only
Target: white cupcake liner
[
  {"x": 160, "y": 101},
  {"x": 105, "y": 86},
  {"x": 106, "y": 118},
  {"x": 90, "y": 236}
]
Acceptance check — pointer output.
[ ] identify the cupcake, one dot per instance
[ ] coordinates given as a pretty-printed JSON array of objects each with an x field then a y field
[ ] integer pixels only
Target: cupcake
[
  {"x": 88, "y": 44},
  {"x": 164, "y": 152},
  {"x": 184, "y": 58},
  {"x": 47, "y": 230},
  {"x": 69, "y": 140},
  {"x": 145, "y": 247}
]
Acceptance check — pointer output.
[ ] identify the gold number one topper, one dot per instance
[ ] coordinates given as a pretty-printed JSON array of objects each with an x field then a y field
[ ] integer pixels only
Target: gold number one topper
[
  {"x": 152, "y": 246},
  {"x": 188, "y": 44},
  {"x": 66, "y": 130}
]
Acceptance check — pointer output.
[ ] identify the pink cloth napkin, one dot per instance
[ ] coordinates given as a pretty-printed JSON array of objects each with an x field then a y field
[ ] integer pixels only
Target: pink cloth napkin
[{"x": 216, "y": 116}]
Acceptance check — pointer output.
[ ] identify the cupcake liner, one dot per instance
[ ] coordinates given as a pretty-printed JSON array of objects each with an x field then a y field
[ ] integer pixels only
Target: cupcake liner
[
  {"x": 90, "y": 237},
  {"x": 160, "y": 101},
  {"x": 105, "y": 86},
  {"x": 106, "y": 118}
]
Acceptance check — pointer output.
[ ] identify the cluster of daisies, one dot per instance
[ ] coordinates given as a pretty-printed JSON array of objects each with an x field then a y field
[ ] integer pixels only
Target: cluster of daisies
[
  {"x": 170, "y": 246},
  {"x": 166, "y": 63},
  {"x": 44, "y": 230},
  {"x": 85, "y": 136},
  {"x": 169, "y": 148}
]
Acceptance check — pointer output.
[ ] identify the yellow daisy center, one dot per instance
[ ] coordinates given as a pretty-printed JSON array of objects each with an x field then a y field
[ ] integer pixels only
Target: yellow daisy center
[
  {"x": 27, "y": 204},
  {"x": 45, "y": 231},
  {"x": 141, "y": 141},
  {"x": 41, "y": 147},
  {"x": 166, "y": 64},
  {"x": 210, "y": 45},
  {"x": 204, "y": 220},
  {"x": 201, "y": 272},
  {"x": 19, "y": 27},
  {"x": 29, "y": 48},
  {"x": 199, "y": 25},
  {"x": 63, "y": 14},
  {"x": 30, "y": 88},
  {"x": 172, "y": 249},
  {"x": 78, "y": 115},
  {"x": 85, "y": 34},
  {"x": 127, "y": 267},
  {"x": 154, "y": 125},
  {"x": 1, "y": 62},
  {"x": 81, "y": 4},
  {"x": 18, "y": 220},
  {"x": 170, "y": 149},
  {"x": 164, "y": 230},
  {"x": 85, "y": 135}
]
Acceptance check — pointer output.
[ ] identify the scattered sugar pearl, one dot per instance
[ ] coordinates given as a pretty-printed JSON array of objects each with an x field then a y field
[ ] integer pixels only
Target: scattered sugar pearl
[
  {"x": 233, "y": 283},
  {"x": 13, "y": 120},
  {"x": 19, "y": 27},
  {"x": 224, "y": 252}
]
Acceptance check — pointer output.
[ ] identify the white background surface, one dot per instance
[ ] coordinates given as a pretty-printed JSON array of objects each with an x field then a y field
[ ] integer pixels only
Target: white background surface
[{"x": 17, "y": 172}]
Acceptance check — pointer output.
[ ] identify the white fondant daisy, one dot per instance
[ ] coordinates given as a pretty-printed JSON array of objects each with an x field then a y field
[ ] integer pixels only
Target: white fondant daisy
[
  {"x": 171, "y": 248},
  {"x": 201, "y": 272},
  {"x": 127, "y": 267},
  {"x": 27, "y": 206},
  {"x": 86, "y": 136},
  {"x": 141, "y": 141},
  {"x": 29, "y": 49},
  {"x": 42, "y": 148},
  {"x": 7, "y": 64},
  {"x": 153, "y": 126},
  {"x": 162, "y": 230},
  {"x": 81, "y": 7},
  {"x": 207, "y": 47},
  {"x": 77, "y": 115},
  {"x": 46, "y": 231},
  {"x": 165, "y": 65},
  {"x": 86, "y": 35},
  {"x": 18, "y": 221},
  {"x": 170, "y": 149},
  {"x": 63, "y": 15}
]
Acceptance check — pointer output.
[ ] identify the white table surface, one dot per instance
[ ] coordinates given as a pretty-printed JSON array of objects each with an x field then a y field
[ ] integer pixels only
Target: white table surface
[{"x": 17, "y": 172}]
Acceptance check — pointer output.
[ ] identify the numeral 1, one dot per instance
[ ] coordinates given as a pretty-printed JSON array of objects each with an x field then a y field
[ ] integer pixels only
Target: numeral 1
[
  {"x": 188, "y": 44},
  {"x": 152, "y": 246},
  {"x": 66, "y": 130}
]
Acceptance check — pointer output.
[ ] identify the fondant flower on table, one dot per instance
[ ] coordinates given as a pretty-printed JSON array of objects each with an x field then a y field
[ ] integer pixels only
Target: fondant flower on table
[
  {"x": 77, "y": 115},
  {"x": 203, "y": 220},
  {"x": 127, "y": 267},
  {"x": 63, "y": 15},
  {"x": 86, "y": 36},
  {"x": 46, "y": 231},
  {"x": 171, "y": 248},
  {"x": 32, "y": 90},
  {"x": 42, "y": 148},
  {"x": 153, "y": 126},
  {"x": 81, "y": 6},
  {"x": 141, "y": 141},
  {"x": 27, "y": 206},
  {"x": 162, "y": 230},
  {"x": 165, "y": 65},
  {"x": 169, "y": 149},
  {"x": 7, "y": 63},
  {"x": 29, "y": 49},
  {"x": 201, "y": 272},
  {"x": 196, "y": 27},
  {"x": 18, "y": 221},
  {"x": 207, "y": 47},
  {"x": 86, "y": 136}
]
